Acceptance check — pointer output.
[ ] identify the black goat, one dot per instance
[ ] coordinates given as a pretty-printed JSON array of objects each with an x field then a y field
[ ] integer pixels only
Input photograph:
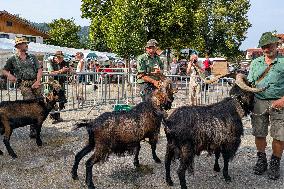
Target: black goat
[
  {"x": 215, "y": 128},
  {"x": 15, "y": 114},
  {"x": 120, "y": 132}
]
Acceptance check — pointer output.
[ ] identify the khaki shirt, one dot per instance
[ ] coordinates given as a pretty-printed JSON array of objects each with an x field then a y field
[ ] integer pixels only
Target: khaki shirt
[{"x": 146, "y": 64}]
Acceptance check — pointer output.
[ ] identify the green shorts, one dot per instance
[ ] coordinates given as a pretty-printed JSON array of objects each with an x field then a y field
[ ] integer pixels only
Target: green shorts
[{"x": 263, "y": 116}]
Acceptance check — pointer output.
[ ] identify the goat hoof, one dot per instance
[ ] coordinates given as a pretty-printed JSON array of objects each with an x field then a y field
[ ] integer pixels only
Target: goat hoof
[
  {"x": 136, "y": 164},
  {"x": 190, "y": 171},
  {"x": 91, "y": 187},
  {"x": 39, "y": 142},
  {"x": 170, "y": 182},
  {"x": 75, "y": 177},
  {"x": 228, "y": 179},
  {"x": 14, "y": 156},
  {"x": 217, "y": 168},
  {"x": 32, "y": 135},
  {"x": 157, "y": 160}
]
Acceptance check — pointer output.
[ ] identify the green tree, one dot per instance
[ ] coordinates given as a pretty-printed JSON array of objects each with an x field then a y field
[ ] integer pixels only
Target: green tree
[
  {"x": 124, "y": 26},
  {"x": 97, "y": 11},
  {"x": 97, "y": 37},
  {"x": 64, "y": 32},
  {"x": 123, "y": 30},
  {"x": 176, "y": 21},
  {"x": 84, "y": 37},
  {"x": 42, "y": 26},
  {"x": 220, "y": 26}
]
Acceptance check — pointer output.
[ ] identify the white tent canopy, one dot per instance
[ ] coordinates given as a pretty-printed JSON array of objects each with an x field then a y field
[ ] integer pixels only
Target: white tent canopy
[{"x": 8, "y": 45}]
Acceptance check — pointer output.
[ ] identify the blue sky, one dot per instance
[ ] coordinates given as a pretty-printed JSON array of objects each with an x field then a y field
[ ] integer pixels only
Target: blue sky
[
  {"x": 263, "y": 15},
  {"x": 45, "y": 10}
]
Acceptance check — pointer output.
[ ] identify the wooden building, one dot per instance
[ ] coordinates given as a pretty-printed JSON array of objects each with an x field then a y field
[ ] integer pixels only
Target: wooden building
[
  {"x": 253, "y": 53},
  {"x": 12, "y": 26}
]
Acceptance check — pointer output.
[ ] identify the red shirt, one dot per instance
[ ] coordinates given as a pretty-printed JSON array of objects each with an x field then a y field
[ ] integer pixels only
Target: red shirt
[
  {"x": 206, "y": 63},
  {"x": 107, "y": 70}
]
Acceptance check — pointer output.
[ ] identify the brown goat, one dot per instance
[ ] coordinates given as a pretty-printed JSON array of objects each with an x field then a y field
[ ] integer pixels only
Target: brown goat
[
  {"x": 120, "y": 132},
  {"x": 19, "y": 113}
]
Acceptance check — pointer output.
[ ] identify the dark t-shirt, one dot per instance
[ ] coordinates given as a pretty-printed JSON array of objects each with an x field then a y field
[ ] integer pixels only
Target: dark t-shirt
[{"x": 56, "y": 67}]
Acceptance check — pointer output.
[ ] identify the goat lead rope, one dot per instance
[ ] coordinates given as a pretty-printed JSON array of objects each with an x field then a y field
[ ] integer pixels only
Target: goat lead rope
[{"x": 268, "y": 110}]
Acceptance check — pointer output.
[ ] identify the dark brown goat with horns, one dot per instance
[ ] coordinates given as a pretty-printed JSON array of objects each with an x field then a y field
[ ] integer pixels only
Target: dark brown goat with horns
[
  {"x": 215, "y": 128},
  {"x": 120, "y": 132}
]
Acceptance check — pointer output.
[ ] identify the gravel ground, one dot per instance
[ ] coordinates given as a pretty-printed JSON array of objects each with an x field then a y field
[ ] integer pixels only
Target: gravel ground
[{"x": 48, "y": 167}]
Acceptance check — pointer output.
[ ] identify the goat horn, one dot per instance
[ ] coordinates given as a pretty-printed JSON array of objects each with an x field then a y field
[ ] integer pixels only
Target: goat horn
[
  {"x": 46, "y": 83},
  {"x": 206, "y": 81},
  {"x": 242, "y": 84},
  {"x": 53, "y": 83},
  {"x": 51, "y": 79}
]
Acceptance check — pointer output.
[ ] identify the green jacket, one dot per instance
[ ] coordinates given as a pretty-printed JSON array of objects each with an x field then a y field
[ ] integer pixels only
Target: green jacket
[
  {"x": 146, "y": 64},
  {"x": 274, "y": 79},
  {"x": 23, "y": 69}
]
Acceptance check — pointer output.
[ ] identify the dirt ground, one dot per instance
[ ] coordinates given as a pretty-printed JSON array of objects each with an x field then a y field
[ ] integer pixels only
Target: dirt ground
[{"x": 49, "y": 166}]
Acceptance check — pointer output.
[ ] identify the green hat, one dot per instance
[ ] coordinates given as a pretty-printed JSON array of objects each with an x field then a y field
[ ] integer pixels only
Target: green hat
[
  {"x": 267, "y": 38},
  {"x": 152, "y": 43}
]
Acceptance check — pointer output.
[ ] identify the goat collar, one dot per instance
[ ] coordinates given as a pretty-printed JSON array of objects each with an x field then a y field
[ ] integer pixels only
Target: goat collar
[{"x": 241, "y": 104}]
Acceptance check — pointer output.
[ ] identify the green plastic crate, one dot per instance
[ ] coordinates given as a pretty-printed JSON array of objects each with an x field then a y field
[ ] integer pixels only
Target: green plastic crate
[{"x": 122, "y": 107}]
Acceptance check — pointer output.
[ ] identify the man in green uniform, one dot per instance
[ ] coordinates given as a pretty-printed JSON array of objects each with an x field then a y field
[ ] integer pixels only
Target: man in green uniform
[
  {"x": 268, "y": 71},
  {"x": 24, "y": 69},
  {"x": 149, "y": 66},
  {"x": 57, "y": 67}
]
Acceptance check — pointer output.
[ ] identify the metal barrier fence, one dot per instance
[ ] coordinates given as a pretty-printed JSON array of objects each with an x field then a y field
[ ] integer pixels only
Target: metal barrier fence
[{"x": 117, "y": 88}]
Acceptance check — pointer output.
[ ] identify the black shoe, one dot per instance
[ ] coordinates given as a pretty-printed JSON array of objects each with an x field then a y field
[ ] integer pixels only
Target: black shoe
[
  {"x": 274, "y": 168},
  {"x": 261, "y": 164}
]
